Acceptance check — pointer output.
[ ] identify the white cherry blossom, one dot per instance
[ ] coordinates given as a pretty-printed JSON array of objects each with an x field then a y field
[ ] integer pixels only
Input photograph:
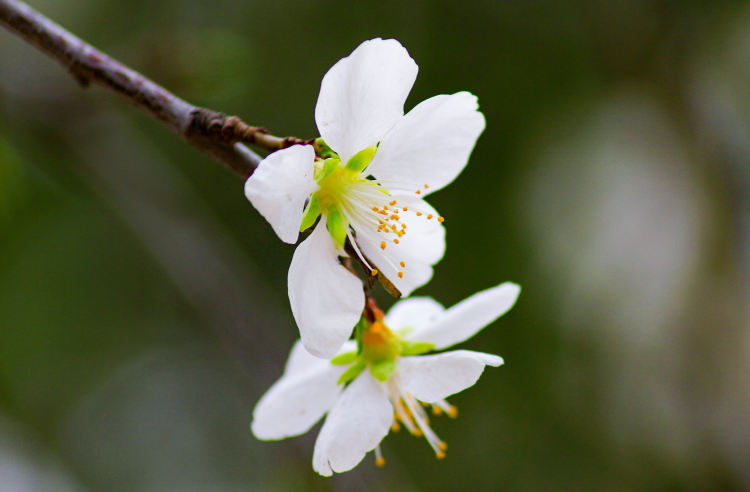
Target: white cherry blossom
[
  {"x": 388, "y": 383},
  {"x": 380, "y": 165}
]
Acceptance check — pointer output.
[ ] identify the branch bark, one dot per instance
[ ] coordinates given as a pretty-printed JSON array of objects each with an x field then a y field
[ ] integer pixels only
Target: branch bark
[{"x": 214, "y": 133}]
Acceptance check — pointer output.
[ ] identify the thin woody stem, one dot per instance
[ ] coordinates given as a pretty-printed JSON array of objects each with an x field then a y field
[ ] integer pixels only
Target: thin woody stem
[{"x": 214, "y": 133}]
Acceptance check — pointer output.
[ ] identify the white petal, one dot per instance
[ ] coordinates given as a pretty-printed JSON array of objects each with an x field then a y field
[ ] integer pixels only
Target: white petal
[
  {"x": 469, "y": 316},
  {"x": 430, "y": 145},
  {"x": 422, "y": 246},
  {"x": 326, "y": 299},
  {"x": 301, "y": 360},
  {"x": 279, "y": 187},
  {"x": 362, "y": 96},
  {"x": 356, "y": 424},
  {"x": 433, "y": 377},
  {"x": 414, "y": 312},
  {"x": 295, "y": 402}
]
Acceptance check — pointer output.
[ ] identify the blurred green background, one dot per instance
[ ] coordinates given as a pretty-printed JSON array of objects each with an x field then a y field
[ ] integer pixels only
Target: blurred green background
[{"x": 143, "y": 306}]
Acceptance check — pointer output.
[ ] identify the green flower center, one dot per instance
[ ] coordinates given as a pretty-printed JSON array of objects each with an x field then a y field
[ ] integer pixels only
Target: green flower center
[
  {"x": 335, "y": 181},
  {"x": 378, "y": 349}
]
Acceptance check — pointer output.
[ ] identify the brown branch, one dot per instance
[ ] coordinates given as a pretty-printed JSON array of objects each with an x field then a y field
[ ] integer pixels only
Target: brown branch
[
  {"x": 231, "y": 129},
  {"x": 214, "y": 133}
]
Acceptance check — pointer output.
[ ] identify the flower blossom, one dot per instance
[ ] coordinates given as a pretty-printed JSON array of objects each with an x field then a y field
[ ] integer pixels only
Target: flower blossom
[
  {"x": 379, "y": 165},
  {"x": 398, "y": 381}
]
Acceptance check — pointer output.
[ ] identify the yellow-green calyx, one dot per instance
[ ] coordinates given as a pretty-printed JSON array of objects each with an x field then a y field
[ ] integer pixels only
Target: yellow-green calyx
[
  {"x": 379, "y": 349},
  {"x": 334, "y": 180}
]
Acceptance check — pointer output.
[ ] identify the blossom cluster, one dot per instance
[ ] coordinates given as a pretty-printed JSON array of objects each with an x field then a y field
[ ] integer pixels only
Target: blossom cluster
[{"x": 360, "y": 189}]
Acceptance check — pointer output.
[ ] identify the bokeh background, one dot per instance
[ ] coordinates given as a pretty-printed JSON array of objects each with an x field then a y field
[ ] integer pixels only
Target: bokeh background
[{"x": 143, "y": 306}]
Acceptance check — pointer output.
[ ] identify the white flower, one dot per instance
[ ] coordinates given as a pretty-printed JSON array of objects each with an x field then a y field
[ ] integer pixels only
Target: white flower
[
  {"x": 391, "y": 392},
  {"x": 381, "y": 164}
]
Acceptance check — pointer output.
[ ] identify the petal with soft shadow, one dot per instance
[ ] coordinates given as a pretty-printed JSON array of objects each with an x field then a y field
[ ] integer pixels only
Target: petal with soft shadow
[
  {"x": 413, "y": 312},
  {"x": 301, "y": 360},
  {"x": 362, "y": 95},
  {"x": 469, "y": 316},
  {"x": 356, "y": 424},
  {"x": 434, "y": 377},
  {"x": 430, "y": 145},
  {"x": 296, "y": 401},
  {"x": 279, "y": 187},
  {"x": 326, "y": 298}
]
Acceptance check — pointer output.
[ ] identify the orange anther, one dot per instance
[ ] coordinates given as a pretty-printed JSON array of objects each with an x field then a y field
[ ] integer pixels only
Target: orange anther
[
  {"x": 419, "y": 214},
  {"x": 382, "y": 244},
  {"x": 403, "y": 265},
  {"x": 374, "y": 272},
  {"x": 405, "y": 209},
  {"x": 392, "y": 203},
  {"x": 441, "y": 219},
  {"x": 425, "y": 186},
  {"x": 429, "y": 216},
  {"x": 395, "y": 241},
  {"x": 400, "y": 274},
  {"x": 380, "y": 461},
  {"x": 375, "y": 209},
  {"x": 418, "y": 192},
  {"x": 395, "y": 217},
  {"x": 442, "y": 446}
]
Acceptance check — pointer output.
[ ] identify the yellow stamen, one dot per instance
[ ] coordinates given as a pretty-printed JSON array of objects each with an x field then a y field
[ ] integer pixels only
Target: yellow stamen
[
  {"x": 400, "y": 274},
  {"x": 441, "y": 219}
]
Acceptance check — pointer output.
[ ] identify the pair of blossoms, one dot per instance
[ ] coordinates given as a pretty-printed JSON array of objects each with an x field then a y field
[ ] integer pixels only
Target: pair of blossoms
[{"x": 374, "y": 166}]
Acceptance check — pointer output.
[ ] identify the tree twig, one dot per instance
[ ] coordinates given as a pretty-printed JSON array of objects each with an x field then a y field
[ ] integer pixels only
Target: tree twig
[{"x": 220, "y": 136}]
